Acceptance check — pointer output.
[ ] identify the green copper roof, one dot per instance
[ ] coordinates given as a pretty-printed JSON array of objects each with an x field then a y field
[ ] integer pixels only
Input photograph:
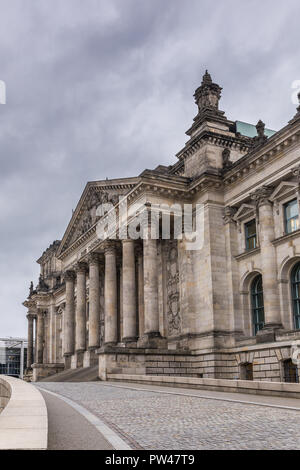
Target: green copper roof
[{"x": 249, "y": 130}]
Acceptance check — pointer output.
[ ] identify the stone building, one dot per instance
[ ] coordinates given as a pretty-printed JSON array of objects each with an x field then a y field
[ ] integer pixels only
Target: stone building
[{"x": 229, "y": 309}]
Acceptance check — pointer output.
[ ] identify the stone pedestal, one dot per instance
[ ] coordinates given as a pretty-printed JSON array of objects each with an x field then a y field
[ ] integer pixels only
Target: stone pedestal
[{"x": 90, "y": 358}]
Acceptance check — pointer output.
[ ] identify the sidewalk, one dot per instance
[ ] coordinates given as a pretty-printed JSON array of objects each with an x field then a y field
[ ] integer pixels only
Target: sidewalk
[{"x": 69, "y": 430}]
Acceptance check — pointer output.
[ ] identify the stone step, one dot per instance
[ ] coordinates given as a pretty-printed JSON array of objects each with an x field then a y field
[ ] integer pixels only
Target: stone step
[{"x": 83, "y": 374}]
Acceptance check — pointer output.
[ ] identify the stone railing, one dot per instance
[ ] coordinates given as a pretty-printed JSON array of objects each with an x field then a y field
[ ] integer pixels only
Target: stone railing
[{"x": 23, "y": 416}]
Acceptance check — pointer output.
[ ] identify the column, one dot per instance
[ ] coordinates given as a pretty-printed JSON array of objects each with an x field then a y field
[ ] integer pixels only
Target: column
[
  {"x": 129, "y": 292},
  {"x": 140, "y": 274},
  {"x": 268, "y": 258},
  {"x": 35, "y": 338},
  {"x": 40, "y": 337},
  {"x": 94, "y": 300},
  {"x": 80, "y": 341},
  {"x": 151, "y": 288},
  {"x": 110, "y": 295},
  {"x": 30, "y": 318},
  {"x": 69, "y": 316}
]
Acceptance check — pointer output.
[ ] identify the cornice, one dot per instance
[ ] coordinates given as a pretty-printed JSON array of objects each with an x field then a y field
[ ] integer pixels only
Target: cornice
[
  {"x": 272, "y": 149},
  {"x": 241, "y": 143},
  {"x": 93, "y": 186}
]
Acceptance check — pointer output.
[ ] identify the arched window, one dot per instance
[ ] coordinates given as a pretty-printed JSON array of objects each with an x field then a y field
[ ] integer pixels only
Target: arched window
[
  {"x": 295, "y": 281},
  {"x": 257, "y": 297}
]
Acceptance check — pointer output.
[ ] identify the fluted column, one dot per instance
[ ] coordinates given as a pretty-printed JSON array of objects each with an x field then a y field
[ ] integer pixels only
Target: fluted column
[
  {"x": 80, "y": 338},
  {"x": 30, "y": 359},
  {"x": 110, "y": 294},
  {"x": 40, "y": 337},
  {"x": 94, "y": 300},
  {"x": 151, "y": 287},
  {"x": 268, "y": 258},
  {"x": 129, "y": 292},
  {"x": 69, "y": 314}
]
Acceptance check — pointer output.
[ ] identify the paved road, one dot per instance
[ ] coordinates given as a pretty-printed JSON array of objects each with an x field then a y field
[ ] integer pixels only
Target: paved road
[{"x": 150, "y": 417}]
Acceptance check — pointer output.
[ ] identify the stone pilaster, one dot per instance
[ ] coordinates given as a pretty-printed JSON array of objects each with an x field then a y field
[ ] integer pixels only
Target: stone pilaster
[
  {"x": 230, "y": 227},
  {"x": 30, "y": 359},
  {"x": 110, "y": 295},
  {"x": 40, "y": 336},
  {"x": 268, "y": 258},
  {"x": 80, "y": 336},
  {"x": 69, "y": 315},
  {"x": 94, "y": 300},
  {"x": 129, "y": 292}
]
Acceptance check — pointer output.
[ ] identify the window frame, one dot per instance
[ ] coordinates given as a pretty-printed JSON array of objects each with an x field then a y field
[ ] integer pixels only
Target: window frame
[
  {"x": 256, "y": 307},
  {"x": 294, "y": 297},
  {"x": 286, "y": 220},
  {"x": 247, "y": 237}
]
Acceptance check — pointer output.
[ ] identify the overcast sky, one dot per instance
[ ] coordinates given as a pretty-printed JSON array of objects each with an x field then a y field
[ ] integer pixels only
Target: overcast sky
[{"x": 103, "y": 88}]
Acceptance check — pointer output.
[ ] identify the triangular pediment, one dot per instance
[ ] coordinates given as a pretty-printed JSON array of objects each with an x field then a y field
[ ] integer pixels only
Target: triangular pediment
[
  {"x": 244, "y": 211},
  {"x": 283, "y": 190},
  {"x": 84, "y": 217}
]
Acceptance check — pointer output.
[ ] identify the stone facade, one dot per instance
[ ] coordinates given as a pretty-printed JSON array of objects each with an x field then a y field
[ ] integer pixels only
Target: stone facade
[{"x": 227, "y": 309}]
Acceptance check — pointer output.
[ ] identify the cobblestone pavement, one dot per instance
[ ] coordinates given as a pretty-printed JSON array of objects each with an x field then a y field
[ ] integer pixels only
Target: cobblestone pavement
[{"x": 150, "y": 420}]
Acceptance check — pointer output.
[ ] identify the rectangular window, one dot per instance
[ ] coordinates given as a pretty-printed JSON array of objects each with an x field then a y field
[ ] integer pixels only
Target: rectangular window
[
  {"x": 291, "y": 215},
  {"x": 250, "y": 234}
]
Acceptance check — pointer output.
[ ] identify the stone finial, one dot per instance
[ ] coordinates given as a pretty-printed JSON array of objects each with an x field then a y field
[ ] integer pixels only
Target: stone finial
[
  {"x": 206, "y": 79},
  {"x": 297, "y": 115},
  {"x": 226, "y": 159},
  {"x": 208, "y": 95},
  {"x": 261, "y": 136},
  {"x": 31, "y": 289}
]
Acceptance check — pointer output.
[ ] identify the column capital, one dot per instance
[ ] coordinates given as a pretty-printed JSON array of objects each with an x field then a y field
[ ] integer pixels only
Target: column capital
[
  {"x": 109, "y": 246},
  {"x": 127, "y": 240},
  {"x": 69, "y": 275},
  {"x": 41, "y": 312},
  {"x": 93, "y": 258},
  {"x": 81, "y": 267},
  {"x": 30, "y": 316},
  {"x": 261, "y": 195}
]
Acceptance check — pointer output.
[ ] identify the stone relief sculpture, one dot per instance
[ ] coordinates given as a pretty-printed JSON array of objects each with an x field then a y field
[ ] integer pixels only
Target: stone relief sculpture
[{"x": 173, "y": 306}]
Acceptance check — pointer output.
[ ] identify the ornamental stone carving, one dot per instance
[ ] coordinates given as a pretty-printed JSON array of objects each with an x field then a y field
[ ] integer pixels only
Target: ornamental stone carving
[{"x": 172, "y": 285}]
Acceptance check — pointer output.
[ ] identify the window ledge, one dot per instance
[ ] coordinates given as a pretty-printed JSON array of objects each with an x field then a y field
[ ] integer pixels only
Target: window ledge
[
  {"x": 285, "y": 237},
  {"x": 247, "y": 253}
]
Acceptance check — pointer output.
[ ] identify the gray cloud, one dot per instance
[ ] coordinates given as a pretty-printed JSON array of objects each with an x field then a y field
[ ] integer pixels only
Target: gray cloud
[{"x": 103, "y": 88}]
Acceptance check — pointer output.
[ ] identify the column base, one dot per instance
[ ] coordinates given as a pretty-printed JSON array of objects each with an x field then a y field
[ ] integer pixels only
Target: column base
[
  {"x": 130, "y": 342},
  {"x": 152, "y": 340}
]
